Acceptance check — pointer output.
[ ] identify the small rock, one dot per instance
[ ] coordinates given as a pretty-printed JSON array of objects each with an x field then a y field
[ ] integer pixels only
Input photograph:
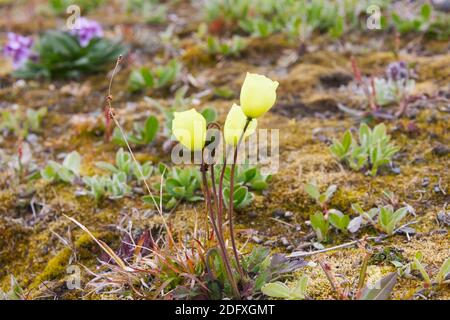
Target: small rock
[
  {"x": 290, "y": 248},
  {"x": 436, "y": 188},
  {"x": 425, "y": 182},
  {"x": 395, "y": 170},
  {"x": 256, "y": 240},
  {"x": 278, "y": 213},
  {"x": 270, "y": 243},
  {"x": 441, "y": 150},
  {"x": 288, "y": 215},
  {"x": 284, "y": 242},
  {"x": 252, "y": 214},
  {"x": 444, "y": 218}
]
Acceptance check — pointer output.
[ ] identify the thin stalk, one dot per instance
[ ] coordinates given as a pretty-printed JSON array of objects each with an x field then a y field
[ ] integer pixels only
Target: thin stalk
[
  {"x": 219, "y": 238},
  {"x": 231, "y": 203},
  {"x": 327, "y": 269}
]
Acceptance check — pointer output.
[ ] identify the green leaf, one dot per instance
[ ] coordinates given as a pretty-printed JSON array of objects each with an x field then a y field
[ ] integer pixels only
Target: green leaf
[
  {"x": 276, "y": 290},
  {"x": 150, "y": 129},
  {"x": 106, "y": 166},
  {"x": 381, "y": 290},
  {"x": 312, "y": 190},
  {"x": 443, "y": 271},
  {"x": 209, "y": 114},
  {"x": 72, "y": 162},
  {"x": 425, "y": 11},
  {"x": 49, "y": 173}
]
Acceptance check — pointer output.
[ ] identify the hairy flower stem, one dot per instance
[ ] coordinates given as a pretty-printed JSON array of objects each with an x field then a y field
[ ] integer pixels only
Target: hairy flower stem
[
  {"x": 223, "y": 250},
  {"x": 231, "y": 203}
]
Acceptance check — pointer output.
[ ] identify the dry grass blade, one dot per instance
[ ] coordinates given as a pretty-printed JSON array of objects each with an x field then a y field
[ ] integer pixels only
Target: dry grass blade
[{"x": 102, "y": 245}]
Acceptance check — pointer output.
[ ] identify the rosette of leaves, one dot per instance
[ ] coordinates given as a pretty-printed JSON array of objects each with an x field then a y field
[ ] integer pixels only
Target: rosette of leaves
[
  {"x": 179, "y": 184},
  {"x": 246, "y": 179},
  {"x": 65, "y": 172},
  {"x": 159, "y": 78},
  {"x": 61, "y": 55},
  {"x": 372, "y": 151},
  {"x": 114, "y": 187},
  {"x": 20, "y": 124}
]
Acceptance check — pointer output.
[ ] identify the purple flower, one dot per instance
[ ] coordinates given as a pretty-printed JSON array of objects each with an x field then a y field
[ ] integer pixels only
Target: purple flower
[
  {"x": 86, "y": 30},
  {"x": 397, "y": 70},
  {"x": 18, "y": 48}
]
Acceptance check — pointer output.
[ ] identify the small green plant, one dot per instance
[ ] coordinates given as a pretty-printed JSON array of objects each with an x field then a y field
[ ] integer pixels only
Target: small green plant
[
  {"x": 21, "y": 124},
  {"x": 226, "y": 48},
  {"x": 388, "y": 219},
  {"x": 322, "y": 199},
  {"x": 278, "y": 289},
  {"x": 65, "y": 172},
  {"x": 419, "y": 23},
  {"x": 141, "y": 135},
  {"x": 373, "y": 150},
  {"x": 160, "y": 78},
  {"x": 61, "y": 55},
  {"x": 153, "y": 11},
  {"x": 363, "y": 218},
  {"x": 246, "y": 179},
  {"x": 338, "y": 220},
  {"x": 388, "y": 91},
  {"x": 320, "y": 225},
  {"x": 15, "y": 292},
  {"x": 417, "y": 265},
  {"x": 114, "y": 187},
  {"x": 179, "y": 184},
  {"x": 125, "y": 164},
  {"x": 60, "y": 6},
  {"x": 246, "y": 175},
  {"x": 241, "y": 199}
]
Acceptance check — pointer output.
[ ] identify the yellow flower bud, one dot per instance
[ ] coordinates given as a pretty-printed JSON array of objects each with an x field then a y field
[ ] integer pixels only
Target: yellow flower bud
[
  {"x": 234, "y": 125},
  {"x": 258, "y": 95},
  {"x": 189, "y": 128}
]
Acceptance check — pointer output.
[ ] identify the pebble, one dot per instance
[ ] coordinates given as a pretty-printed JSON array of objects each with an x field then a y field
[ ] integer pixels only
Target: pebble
[
  {"x": 284, "y": 242},
  {"x": 270, "y": 243},
  {"x": 425, "y": 182},
  {"x": 288, "y": 215},
  {"x": 252, "y": 214},
  {"x": 256, "y": 240},
  {"x": 278, "y": 213},
  {"x": 441, "y": 150},
  {"x": 444, "y": 218}
]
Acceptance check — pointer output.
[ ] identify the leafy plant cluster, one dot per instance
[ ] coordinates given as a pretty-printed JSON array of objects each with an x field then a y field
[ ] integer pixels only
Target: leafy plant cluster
[
  {"x": 225, "y": 47},
  {"x": 347, "y": 290},
  {"x": 152, "y": 11},
  {"x": 389, "y": 91},
  {"x": 115, "y": 185},
  {"x": 61, "y": 55},
  {"x": 161, "y": 77},
  {"x": 372, "y": 151},
  {"x": 183, "y": 184},
  {"x": 425, "y": 21},
  {"x": 303, "y": 18},
  {"x": 60, "y": 6},
  {"x": 65, "y": 172},
  {"x": 382, "y": 218},
  {"x": 417, "y": 265},
  {"x": 296, "y": 18},
  {"x": 20, "y": 124}
]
